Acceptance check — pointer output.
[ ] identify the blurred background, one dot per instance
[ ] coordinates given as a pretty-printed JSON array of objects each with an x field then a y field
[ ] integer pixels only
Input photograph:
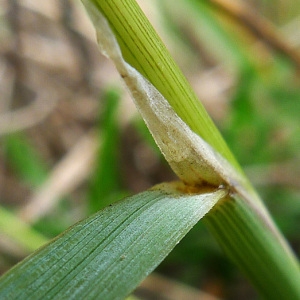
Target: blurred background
[{"x": 71, "y": 141}]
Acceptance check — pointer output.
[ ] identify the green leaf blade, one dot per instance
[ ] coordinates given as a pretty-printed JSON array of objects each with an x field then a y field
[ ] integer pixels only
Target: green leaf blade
[{"x": 108, "y": 254}]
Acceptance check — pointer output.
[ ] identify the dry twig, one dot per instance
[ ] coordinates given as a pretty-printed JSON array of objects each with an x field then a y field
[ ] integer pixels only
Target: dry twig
[{"x": 258, "y": 26}]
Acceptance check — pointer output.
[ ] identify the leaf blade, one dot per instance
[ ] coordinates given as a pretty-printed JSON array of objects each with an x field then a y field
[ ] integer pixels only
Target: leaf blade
[{"x": 108, "y": 254}]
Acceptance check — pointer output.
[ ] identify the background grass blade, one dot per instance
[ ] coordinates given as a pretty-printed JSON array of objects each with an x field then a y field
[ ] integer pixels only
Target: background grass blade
[
  {"x": 105, "y": 183},
  {"x": 24, "y": 159},
  {"x": 108, "y": 254},
  {"x": 23, "y": 234}
]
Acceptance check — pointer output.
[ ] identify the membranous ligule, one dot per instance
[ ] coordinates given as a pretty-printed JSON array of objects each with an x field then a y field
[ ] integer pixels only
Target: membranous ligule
[{"x": 193, "y": 160}]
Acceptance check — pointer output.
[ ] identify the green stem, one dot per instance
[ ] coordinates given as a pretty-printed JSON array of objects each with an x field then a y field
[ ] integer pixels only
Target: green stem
[{"x": 256, "y": 246}]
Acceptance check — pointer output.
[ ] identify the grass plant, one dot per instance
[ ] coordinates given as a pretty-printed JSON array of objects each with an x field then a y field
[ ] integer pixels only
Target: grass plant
[{"x": 108, "y": 254}]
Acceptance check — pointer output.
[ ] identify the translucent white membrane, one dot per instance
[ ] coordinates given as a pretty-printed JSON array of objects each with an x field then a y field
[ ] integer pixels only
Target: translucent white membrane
[{"x": 191, "y": 158}]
